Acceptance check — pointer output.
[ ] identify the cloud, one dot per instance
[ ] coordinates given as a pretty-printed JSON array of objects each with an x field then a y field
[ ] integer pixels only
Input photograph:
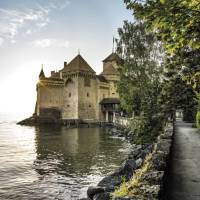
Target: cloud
[
  {"x": 29, "y": 19},
  {"x": 1, "y": 41},
  {"x": 11, "y": 21},
  {"x": 47, "y": 42},
  {"x": 58, "y": 4}
]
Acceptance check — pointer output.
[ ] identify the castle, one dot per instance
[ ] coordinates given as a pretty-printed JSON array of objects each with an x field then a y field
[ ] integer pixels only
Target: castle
[{"x": 76, "y": 92}]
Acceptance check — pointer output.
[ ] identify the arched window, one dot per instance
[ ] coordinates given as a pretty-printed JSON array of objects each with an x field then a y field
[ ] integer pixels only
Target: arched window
[
  {"x": 88, "y": 94},
  {"x": 68, "y": 81}
]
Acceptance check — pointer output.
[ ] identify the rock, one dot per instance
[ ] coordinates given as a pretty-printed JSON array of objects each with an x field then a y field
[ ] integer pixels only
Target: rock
[
  {"x": 125, "y": 198},
  {"x": 153, "y": 177},
  {"x": 138, "y": 163},
  {"x": 116, "y": 178},
  {"x": 159, "y": 161},
  {"x": 164, "y": 145},
  {"x": 93, "y": 191},
  {"x": 111, "y": 181},
  {"x": 150, "y": 191},
  {"x": 166, "y": 135},
  {"x": 144, "y": 151},
  {"x": 127, "y": 168},
  {"x": 136, "y": 151},
  {"x": 102, "y": 196}
]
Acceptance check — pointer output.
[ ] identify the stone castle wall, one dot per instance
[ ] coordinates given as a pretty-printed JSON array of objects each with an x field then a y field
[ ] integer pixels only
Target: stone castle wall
[
  {"x": 87, "y": 97},
  {"x": 70, "y": 107},
  {"x": 103, "y": 92},
  {"x": 49, "y": 97}
]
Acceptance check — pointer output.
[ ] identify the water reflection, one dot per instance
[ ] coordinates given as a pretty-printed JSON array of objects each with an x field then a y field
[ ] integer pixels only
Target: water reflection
[{"x": 55, "y": 162}]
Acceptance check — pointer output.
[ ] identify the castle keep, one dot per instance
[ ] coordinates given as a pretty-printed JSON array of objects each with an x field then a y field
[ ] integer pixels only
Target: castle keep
[{"x": 76, "y": 92}]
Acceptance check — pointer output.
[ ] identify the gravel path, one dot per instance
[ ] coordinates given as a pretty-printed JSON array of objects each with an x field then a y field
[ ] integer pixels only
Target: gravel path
[{"x": 184, "y": 171}]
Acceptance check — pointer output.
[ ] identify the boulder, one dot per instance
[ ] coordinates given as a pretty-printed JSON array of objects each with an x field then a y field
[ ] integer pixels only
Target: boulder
[
  {"x": 116, "y": 178},
  {"x": 153, "y": 177},
  {"x": 159, "y": 161},
  {"x": 150, "y": 191},
  {"x": 125, "y": 198},
  {"x": 110, "y": 182},
  {"x": 102, "y": 196},
  {"x": 139, "y": 162},
  {"x": 164, "y": 145},
  {"x": 93, "y": 191}
]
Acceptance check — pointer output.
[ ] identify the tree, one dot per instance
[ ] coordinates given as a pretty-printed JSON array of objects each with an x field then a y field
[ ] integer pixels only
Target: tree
[
  {"x": 177, "y": 25},
  {"x": 141, "y": 74}
]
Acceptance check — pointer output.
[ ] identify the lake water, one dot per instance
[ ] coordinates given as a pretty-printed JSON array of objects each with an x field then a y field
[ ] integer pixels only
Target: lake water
[{"x": 54, "y": 162}]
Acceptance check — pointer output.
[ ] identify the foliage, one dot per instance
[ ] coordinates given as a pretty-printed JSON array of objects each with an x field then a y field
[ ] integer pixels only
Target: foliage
[
  {"x": 198, "y": 119},
  {"x": 122, "y": 191},
  {"x": 176, "y": 22},
  {"x": 198, "y": 112},
  {"x": 177, "y": 26},
  {"x": 147, "y": 129},
  {"x": 141, "y": 76},
  {"x": 133, "y": 186},
  {"x": 176, "y": 94}
]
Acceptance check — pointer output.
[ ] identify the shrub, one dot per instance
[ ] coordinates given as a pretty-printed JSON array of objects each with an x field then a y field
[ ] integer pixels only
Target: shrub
[{"x": 198, "y": 120}]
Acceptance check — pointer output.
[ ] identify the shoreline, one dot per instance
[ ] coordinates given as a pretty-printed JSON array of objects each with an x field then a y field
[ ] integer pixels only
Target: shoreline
[
  {"x": 152, "y": 180},
  {"x": 70, "y": 123}
]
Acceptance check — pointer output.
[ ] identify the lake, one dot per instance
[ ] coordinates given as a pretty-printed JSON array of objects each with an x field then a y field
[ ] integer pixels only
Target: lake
[{"x": 52, "y": 162}]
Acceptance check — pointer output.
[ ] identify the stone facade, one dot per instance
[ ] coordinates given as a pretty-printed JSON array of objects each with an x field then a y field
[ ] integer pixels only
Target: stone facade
[{"x": 76, "y": 92}]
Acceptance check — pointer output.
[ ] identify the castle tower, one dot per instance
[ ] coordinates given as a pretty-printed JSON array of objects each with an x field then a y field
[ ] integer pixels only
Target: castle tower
[
  {"x": 109, "y": 101},
  {"x": 111, "y": 66},
  {"x": 80, "y": 91},
  {"x": 49, "y": 97}
]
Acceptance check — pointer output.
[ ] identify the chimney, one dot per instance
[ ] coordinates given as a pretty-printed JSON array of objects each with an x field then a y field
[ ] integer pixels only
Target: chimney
[{"x": 65, "y": 64}]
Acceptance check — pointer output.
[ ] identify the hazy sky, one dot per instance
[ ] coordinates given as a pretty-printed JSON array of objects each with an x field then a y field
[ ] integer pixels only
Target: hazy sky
[{"x": 36, "y": 32}]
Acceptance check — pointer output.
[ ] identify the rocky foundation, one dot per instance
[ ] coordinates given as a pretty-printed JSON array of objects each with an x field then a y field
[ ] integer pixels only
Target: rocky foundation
[
  {"x": 70, "y": 123},
  {"x": 151, "y": 181}
]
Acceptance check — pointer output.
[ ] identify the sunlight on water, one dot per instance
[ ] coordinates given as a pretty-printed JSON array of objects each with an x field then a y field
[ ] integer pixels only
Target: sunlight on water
[{"x": 54, "y": 162}]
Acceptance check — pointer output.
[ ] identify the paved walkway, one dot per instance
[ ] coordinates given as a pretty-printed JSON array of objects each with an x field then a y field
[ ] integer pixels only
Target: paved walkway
[{"x": 184, "y": 172}]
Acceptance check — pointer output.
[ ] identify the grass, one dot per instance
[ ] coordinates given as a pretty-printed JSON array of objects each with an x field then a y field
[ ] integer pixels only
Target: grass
[{"x": 132, "y": 187}]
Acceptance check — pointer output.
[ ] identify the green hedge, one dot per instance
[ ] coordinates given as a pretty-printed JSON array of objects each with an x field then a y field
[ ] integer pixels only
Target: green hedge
[{"x": 198, "y": 119}]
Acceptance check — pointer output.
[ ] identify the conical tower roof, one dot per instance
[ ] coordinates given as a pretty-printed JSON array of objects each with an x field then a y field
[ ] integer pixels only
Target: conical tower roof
[
  {"x": 113, "y": 57},
  {"x": 41, "y": 75},
  {"x": 78, "y": 64}
]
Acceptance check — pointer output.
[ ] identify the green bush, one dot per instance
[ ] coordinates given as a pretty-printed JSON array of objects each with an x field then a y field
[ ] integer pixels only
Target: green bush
[
  {"x": 146, "y": 129},
  {"x": 198, "y": 119}
]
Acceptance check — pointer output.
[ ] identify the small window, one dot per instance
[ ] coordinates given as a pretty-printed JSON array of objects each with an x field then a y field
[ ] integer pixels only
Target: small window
[
  {"x": 68, "y": 106},
  {"x": 70, "y": 94},
  {"x": 113, "y": 93},
  {"x": 88, "y": 94},
  {"x": 87, "y": 81},
  {"x": 89, "y": 106}
]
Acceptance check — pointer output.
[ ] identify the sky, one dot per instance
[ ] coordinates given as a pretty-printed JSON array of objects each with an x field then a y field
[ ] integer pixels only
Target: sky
[{"x": 48, "y": 32}]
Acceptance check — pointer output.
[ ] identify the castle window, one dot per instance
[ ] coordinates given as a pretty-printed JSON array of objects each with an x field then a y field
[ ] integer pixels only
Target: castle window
[
  {"x": 70, "y": 94},
  {"x": 69, "y": 81},
  {"x": 87, "y": 82},
  {"x": 89, "y": 106},
  {"x": 113, "y": 93},
  {"x": 88, "y": 94},
  {"x": 67, "y": 105}
]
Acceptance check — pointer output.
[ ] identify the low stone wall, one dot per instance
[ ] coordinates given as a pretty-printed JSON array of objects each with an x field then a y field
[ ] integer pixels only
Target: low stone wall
[{"x": 146, "y": 163}]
